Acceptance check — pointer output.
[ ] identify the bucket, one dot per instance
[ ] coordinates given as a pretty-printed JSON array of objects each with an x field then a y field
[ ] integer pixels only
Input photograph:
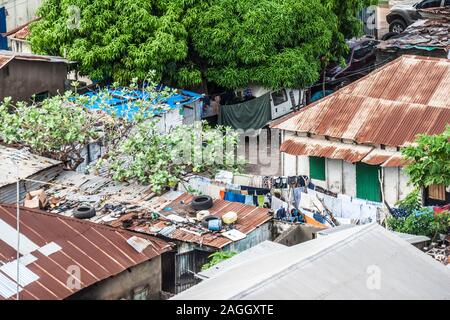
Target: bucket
[{"x": 215, "y": 225}]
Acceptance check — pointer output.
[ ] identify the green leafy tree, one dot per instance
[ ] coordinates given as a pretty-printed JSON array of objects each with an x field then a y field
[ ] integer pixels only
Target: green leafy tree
[
  {"x": 57, "y": 128},
  {"x": 274, "y": 43},
  {"x": 419, "y": 220},
  {"x": 134, "y": 148},
  {"x": 218, "y": 257},
  {"x": 429, "y": 157},
  {"x": 422, "y": 222},
  {"x": 162, "y": 160}
]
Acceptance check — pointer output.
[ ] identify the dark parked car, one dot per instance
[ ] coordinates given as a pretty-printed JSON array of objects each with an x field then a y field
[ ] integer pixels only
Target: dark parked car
[
  {"x": 401, "y": 16},
  {"x": 358, "y": 63}
]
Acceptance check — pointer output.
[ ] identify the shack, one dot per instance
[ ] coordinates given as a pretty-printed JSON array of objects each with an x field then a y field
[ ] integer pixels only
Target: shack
[
  {"x": 66, "y": 258},
  {"x": 350, "y": 141}
]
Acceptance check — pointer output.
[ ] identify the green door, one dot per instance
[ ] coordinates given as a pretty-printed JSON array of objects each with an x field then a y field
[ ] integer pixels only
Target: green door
[{"x": 367, "y": 183}]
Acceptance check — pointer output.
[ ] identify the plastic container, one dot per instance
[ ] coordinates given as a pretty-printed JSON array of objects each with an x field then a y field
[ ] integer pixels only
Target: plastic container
[
  {"x": 230, "y": 217},
  {"x": 215, "y": 225}
]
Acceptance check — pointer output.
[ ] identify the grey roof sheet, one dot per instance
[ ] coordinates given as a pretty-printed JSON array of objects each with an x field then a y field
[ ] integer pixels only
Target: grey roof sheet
[
  {"x": 29, "y": 164},
  {"x": 338, "y": 266},
  {"x": 257, "y": 251}
]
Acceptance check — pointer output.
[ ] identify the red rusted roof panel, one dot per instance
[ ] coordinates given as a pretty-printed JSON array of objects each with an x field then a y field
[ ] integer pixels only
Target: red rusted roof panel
[
  {"x": 249, "y": 218},
  {"x": 327, "y": 149},
  {"x": 99, "y": 251},
  {"x": 391, "y": 106}
]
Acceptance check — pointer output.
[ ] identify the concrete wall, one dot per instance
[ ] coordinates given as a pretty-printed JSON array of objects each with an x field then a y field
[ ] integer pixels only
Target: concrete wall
[
  {"x": 293, "y": 234},
  {"x": 19, "y": 12},
  {"x": 260, "y": 234},
  {"x": 122, "y": 286},
  {"x": 21, "y": 79}
]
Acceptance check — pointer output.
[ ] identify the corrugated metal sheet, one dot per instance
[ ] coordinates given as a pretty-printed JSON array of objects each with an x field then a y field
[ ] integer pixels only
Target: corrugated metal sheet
[
  {"x": 339, "y": 266},
  {"x": 385, "y": 158},
  {"x": 30, "y": 167},
  {"x": 98, "y": 251},
  {"x": 28, "y": 164},
  {"x": 341, "y": 151},
  {"x": 33, "y": 57},
  {"x": 324, "y": 148},
  {"x": 390, "y": 106},
  {"x": 4, "y": 60},
  {"x": 249, "y": 218},
  {"x": 254, "y": 252},
  {"x": 425, "y": 34}
]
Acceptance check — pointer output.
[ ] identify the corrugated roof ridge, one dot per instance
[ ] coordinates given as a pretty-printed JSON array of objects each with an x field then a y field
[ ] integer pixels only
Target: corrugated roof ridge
[
  {"x": 331, "y": 245},
  {"x": 276, "y": 123}
]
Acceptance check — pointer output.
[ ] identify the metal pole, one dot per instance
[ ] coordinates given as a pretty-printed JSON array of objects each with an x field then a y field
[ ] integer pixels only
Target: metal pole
[{"x": 18, "y": 229}]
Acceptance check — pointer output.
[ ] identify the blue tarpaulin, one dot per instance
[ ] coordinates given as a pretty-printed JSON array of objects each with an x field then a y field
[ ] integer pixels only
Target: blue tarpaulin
[{"x": 122, "y": 100}]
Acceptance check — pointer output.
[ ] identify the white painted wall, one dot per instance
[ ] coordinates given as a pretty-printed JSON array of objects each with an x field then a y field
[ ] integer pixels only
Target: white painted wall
[
  {"x": 19, "y": 12},
  {"x": 341, "y": 177}
]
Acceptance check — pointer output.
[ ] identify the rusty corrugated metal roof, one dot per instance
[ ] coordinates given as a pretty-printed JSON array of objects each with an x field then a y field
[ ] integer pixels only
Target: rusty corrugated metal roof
[
  {"x": 52, "y": 244},
  {"x": 324, "y": 148},
  {"x": 341, "y": 151},
  {"x": 4, "y": 60},
  {"x": 249, "y": 218},
  {"x": 390, "y": 106},
  {"x": 6, "y": 55}
]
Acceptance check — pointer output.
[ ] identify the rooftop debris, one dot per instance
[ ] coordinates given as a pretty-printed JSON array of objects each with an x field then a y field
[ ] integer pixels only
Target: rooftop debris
[
  {"x": 178, "y": 221},
  {"x": 428, "y": 34}
]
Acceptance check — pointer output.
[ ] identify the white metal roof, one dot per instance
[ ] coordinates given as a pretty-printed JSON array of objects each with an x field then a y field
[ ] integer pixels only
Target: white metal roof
[
  {"x": 260, "y": 250},
  {"x": 345, "y": 265},
  {"x": 29, "y": 164}
]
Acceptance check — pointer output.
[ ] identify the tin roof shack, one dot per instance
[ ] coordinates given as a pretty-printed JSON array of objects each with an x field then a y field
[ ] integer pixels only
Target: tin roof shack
[
  {"x": 351, "y": 139},
  {"x": 426, "y": 37},
  {"x": 177, "y": 222},
  {"x": 28, "y": 166},
  {"x": 334, "y": 267},
  {"x": 66, "y": 258},
  {"x": 23, "y": 75}
]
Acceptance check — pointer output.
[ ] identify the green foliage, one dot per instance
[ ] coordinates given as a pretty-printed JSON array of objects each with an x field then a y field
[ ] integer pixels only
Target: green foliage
[
  {"x": 411, "y": 202},
  {"x": 422, "y": 222},
  {"x": 430, "y": 159},
  {"x": 217, "y": 257},
  {"x": 274, "y": 43},
  {"x": 163, "y": 160},
  {"x": 134, "y": 148},
  {"x": 119, "y": 39},
  {"x": 57, "y": 128}
]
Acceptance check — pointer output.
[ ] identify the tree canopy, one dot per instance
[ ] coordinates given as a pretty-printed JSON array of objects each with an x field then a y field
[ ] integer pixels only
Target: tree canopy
[
  {"x": 133, "y": 147},
  {"x": 430, "y": 159},
  {"x": 274, "y": 43}
]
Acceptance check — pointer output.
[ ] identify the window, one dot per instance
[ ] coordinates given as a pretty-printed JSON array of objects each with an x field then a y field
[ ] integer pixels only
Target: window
[
  {"x": 317, "y": 168},
  {"x": 447, "y": 3},
  {"x": 367, "y": 182},
  {"x": 363, "y": 51},
  {"x": 429, "y": 4},
  {"x": 141, "y": 293},
  {"x": 39, "y": 97},
  {"x": 279, "y": 97}
]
